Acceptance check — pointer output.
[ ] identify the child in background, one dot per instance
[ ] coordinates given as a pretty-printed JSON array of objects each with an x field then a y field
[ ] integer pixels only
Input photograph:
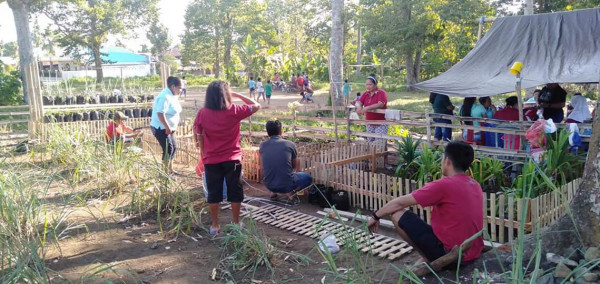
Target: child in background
[
  {"x": 252, "y": 86},
  {"x": 346, "y": 91},
  {"x": 268, "y": 91},
  {"x": 261, "y": 90},
  {"x": 183, "y": 87}
]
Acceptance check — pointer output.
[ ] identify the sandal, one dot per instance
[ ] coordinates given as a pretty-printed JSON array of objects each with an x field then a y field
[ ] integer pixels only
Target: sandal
[
  {"x": 292, "y": 201},
  {"x": 214, "y": 232}
]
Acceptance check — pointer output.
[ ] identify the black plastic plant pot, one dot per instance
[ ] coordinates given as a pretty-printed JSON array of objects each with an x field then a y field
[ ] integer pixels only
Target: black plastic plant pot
[
  {"x": 150, "y": 98},
  {"x": 131, "y": 99},
  {"x": 94, "y": 115},
  {"x": 48, "y": 100},
  {"x": 48, "y": 118},
  {"x": 77, "y": 116},
  {"x": 128, "y": 113},
  {"x": 120, "y": 99},
  {"x": 143, "y": 112},
  {"x": 68, "y": 117},
  {"x": 86, "y": 116},
  {"x": 59, "y": 117},
  {"x": 112, "y": 99},
  {"x": 149, "y": 112},
  {"x": 58, "y": 101},
  {"x": 93, "y": 100},
  {"x": 80, "y": 100},
  {"x": 136, "y": 113},
  {"x": 142, "y": 98},
  {"x": 109, "y": 115},
  {"x": 102, "y": 99},
  {"x": 69, "y": 100}
]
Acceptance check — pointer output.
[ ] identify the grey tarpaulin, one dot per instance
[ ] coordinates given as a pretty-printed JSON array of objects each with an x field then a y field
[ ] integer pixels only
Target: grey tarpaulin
[{"x": 554, "y": 48}]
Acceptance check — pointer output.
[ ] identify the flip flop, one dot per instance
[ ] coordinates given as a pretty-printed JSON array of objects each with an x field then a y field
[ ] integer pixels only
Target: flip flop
[{"x": 214, "y": 232}]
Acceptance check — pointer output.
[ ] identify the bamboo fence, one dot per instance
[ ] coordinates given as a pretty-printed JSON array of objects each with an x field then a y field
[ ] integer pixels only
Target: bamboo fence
[
  {"x": 94, "y": 129},
  {"x": 370, "y": 191}
]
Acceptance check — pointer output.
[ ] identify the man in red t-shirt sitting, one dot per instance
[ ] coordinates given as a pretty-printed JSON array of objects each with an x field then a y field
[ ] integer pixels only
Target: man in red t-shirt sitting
[
  {"x": 118, "y": 131},
  {"x": 457, "y": 214}
]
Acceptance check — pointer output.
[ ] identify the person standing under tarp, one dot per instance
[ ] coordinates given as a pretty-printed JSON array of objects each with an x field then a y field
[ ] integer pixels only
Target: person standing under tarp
[
  {"x": 510, "y": 113},
  {"x": 580, "y": 111},
  {"x": 553, "y": 99},
  {"x": 442, "y": 105},
  {"x": 373, "y": 99}
]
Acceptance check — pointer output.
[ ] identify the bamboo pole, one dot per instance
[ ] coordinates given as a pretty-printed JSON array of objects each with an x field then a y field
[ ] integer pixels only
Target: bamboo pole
[
  {"x": 520, "y": 101},
  {"x": 428, "y": 122},
  {"x": 348, "y": 122}
]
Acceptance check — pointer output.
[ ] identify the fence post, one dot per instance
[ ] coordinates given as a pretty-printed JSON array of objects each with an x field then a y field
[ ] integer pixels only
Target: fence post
[
  {"x": 348, "y": 122},
  {"x": 428, "y": 121},
  {"x": 250, "y": 126},
  {"x": 294, "y": 122}
]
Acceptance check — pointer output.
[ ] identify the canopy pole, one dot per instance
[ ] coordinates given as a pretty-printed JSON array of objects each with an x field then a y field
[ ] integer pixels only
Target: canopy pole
[{"x": 520, "y": 100}]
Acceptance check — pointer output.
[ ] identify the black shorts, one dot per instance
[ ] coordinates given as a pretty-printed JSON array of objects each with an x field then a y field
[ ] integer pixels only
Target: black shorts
[
  {"x": 231, "y": 171},
  {"x": 167, "y": 143},
  {"x": 421, "y": 235}
]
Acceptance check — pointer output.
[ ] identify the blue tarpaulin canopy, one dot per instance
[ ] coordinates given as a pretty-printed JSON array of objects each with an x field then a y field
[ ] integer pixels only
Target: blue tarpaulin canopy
[{"x": 121, "y": 55}]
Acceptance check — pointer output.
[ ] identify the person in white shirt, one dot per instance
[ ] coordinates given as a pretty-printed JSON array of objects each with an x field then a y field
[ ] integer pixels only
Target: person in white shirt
[
  {"x": 183, "y": 87},
  {"x": 261, "y": 90}
]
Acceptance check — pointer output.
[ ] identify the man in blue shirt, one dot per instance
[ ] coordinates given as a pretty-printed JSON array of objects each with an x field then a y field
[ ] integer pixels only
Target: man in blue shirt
[
  {"x": 280, "y": 165},
  {"x": 252, "y": 87}
]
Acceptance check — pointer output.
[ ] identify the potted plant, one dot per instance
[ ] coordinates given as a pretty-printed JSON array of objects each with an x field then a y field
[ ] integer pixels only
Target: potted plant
[
  {"x": 58, "y": 100},
  {"x": 69, "y": 100},
  {"x": 68, "y": 117},
  {"x": 102, "y": 99},
  {"x": 143, "y": 112},
  {"x": 128, "y": 113},
  {"x": 143, "y": 98},
  {"x": 120, "y": 99},
  {"x": 94, "y": 115},
  {"x": 112, "y": 99},
  {"x": 59, "y": 117},
  {"x": 136, "y": 113},
  {"x": 131, "y": 99},
  {"x": 86, "y": 116},
  {"x": 109, "y": 115},
  {"x": 80, "y": 99},
  {"x": 48, "y": 118},
  {"x": 77, "y": 116},
  {"x": 150, "y": 98},
  {"x": 149, "y": 112},
  {"x": 48, "y": 100}
]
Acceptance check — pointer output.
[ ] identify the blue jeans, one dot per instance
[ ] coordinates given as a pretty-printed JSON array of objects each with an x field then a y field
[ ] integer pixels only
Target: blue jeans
[
  {"x": 204, "y": 187},
  {"x": 301, "y": 180},
  {"x": 443, "y": 133}
]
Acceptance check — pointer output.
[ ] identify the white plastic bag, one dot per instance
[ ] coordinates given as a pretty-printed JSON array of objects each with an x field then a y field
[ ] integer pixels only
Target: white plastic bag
[
  {"x": 354, "y": 115},
  {"x": 328, "y": 240},
  {"x": 550, "y": 126}
]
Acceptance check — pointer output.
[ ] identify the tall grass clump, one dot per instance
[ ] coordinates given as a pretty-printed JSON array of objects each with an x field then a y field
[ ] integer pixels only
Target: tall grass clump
[
  {"x": 27, "y": 227},
  {"x": 248, "y": 249}
]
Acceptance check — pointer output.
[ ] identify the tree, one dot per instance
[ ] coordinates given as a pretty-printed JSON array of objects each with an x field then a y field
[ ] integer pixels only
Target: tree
[
  {"x": 21, "y": 12},
  {"x": 87, "y": 24},
  {"x": 158, "y": 35},
  {"x": 9, "y": 49},
  {"x": 336, "y": 50},
  {"x": 145, "y": 49}
]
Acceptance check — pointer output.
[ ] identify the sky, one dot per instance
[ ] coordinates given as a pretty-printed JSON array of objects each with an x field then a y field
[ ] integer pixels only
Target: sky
[{"x": 171, "y": 15}]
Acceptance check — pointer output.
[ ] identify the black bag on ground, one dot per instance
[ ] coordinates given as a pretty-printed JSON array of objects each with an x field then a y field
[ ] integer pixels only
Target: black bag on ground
[
  {"x": 341, "y": 200},
  {"x": 321, "y": 195}
]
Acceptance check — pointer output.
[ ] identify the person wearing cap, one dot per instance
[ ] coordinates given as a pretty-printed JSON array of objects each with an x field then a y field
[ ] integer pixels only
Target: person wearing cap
[
  {"x": 165, "y": 119},
  {"x": 373, "y": 99},
  {"x": 118, "y": 131}
]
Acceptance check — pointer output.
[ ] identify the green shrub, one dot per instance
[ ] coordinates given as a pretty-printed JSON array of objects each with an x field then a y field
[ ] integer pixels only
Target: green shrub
[{"x": 10, "y": 86}]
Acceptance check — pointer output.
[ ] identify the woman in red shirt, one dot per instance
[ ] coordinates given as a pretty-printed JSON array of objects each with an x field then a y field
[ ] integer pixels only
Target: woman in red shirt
[
  {"x": 374, "y": 98},
  {"x": 217, "y": 134}
]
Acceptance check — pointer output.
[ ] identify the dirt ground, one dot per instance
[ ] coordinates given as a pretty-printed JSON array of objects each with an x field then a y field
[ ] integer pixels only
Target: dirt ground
[{"x": 136, "y": 248}]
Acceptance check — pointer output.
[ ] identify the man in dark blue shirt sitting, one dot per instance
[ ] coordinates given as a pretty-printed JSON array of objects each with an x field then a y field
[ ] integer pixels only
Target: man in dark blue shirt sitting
[{"x": 280, "y": 165}]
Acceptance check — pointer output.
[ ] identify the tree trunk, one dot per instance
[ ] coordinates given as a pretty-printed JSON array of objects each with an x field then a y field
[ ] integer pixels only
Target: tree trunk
[
  {"x": 409, "y": 61},
  {"x": 20, "y": 9},
  {"x": 336, "y": 49},
  {"x": 98, "y": 63},
  {"x": 228, "y": 43},
  {"x": 217, "y": 65}
]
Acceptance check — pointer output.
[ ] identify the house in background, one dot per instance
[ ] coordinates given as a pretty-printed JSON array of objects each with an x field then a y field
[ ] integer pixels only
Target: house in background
[{"x": 118, "y": 62}]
